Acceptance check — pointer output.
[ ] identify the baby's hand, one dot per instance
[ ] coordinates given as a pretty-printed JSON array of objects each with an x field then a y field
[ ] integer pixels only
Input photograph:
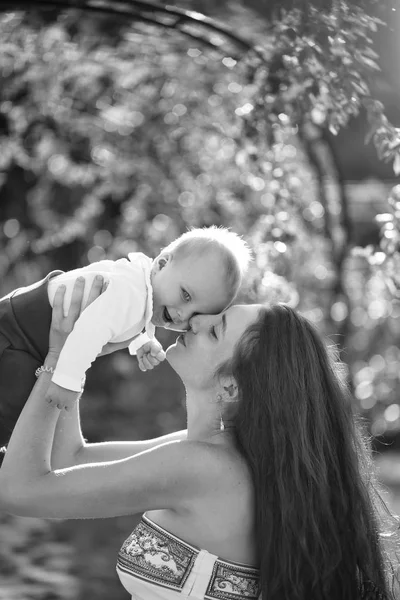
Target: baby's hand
[
  {"x": 60, "y": 397},
  {"x": 150, "y": 355}
]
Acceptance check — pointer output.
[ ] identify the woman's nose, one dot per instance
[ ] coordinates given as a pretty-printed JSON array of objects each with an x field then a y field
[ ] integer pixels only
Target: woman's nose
[
  {"x": 198, "y": 322},
  {"x": 193, "y": 323}
]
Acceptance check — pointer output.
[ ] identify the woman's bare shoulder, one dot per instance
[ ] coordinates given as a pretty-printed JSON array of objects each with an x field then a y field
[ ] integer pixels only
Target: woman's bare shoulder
[{"x": 222, "y": 463}]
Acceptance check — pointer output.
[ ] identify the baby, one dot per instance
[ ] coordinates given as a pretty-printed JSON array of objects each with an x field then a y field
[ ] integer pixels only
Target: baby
[{"x": 199, "y": 272}]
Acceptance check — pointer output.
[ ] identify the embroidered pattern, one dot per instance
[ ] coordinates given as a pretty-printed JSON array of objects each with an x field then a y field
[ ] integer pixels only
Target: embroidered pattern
[
  {"x": 155, "y": 556},
  {"x": 231, "y": 582},
  {"x": 152, "y": 554}
]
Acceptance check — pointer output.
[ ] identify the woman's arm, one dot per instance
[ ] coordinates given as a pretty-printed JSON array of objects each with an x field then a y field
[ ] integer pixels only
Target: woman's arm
[
  {"x": 166, "y": 476},
  {"x": 170, "y": 476},
  {"x": 70, "y": 448}
]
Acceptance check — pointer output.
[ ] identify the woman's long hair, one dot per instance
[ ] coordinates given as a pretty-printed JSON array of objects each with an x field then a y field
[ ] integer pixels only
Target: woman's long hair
[{"x": 317, "y": 523}]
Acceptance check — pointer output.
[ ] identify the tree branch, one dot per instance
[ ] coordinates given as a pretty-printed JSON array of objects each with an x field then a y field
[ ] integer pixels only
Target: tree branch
[{"x": 166, "y": 17}]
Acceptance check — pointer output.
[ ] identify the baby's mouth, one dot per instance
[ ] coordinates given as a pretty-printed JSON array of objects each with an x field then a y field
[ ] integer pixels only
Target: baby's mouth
[{"x": 167, "y": 317}]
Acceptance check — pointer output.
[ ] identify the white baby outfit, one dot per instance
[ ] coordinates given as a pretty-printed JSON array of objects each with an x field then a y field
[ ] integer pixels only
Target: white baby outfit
[
  {"x": 123, "y": 311},
  {"x": 154, "y": 564}
]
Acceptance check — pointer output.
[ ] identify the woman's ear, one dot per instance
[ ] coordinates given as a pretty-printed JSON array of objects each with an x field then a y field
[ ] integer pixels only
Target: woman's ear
[{"x": 230, "y": 391}]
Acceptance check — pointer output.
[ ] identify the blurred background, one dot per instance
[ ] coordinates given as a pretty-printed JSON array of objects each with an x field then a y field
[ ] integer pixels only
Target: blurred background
[{"x": 120, "y": 129}]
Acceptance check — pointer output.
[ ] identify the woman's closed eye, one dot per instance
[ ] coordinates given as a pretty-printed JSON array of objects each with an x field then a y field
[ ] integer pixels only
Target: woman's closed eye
[{"x": 213, "y": 332}]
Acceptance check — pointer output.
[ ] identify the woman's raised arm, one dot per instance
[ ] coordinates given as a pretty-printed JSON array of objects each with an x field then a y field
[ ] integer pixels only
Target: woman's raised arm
[
  {"x": 70, "y": 448},
  {"x": 170, "y": 476},
  {"x": 30, "y": 485}
]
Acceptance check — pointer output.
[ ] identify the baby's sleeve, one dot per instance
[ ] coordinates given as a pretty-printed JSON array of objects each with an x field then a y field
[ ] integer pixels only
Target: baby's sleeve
[
  {"x": 115, "y": 311},
  {"x": 139, "y": 341}
]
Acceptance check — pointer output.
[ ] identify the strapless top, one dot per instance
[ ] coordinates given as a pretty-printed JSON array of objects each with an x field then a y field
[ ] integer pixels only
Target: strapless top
[{"x": 154, "y": 564}]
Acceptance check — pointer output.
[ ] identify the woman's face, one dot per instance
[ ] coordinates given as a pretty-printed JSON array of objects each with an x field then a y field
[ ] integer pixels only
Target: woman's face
[{"x": 197, "y": 354}]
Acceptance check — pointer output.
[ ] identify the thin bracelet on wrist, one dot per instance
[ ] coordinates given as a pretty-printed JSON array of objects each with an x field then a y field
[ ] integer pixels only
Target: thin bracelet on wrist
[
  {"x": 44, "y": 369},
  {"x": 47, "y": 369}
]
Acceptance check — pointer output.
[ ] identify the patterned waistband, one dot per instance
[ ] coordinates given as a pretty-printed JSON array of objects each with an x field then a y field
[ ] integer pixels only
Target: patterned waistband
[{"x": 154, "y": 555}]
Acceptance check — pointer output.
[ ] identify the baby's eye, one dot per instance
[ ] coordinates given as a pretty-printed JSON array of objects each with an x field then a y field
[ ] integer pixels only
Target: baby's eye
[{"x": 186, "y": 295}]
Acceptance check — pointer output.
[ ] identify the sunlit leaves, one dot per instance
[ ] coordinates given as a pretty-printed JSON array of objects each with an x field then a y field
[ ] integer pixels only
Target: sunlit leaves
[
  {"x": 387, "y": 257},
  {"x": 320, "y": 68},
  {"x": 35, "y": 564}
]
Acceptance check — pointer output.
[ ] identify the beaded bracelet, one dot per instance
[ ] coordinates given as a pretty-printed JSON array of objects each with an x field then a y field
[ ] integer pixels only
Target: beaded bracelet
[
  {"x": 44, "y": 369},
  {"x": 47, "y": 369}
]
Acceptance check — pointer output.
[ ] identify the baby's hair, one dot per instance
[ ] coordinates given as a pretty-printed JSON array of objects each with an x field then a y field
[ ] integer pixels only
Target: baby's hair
[{"x": 232, "y": 247}]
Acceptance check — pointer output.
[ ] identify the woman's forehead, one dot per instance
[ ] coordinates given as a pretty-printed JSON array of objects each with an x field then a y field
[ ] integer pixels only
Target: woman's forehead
[
  {"x": 236, "y": 309},
  {"x": 241, "y": 313}
]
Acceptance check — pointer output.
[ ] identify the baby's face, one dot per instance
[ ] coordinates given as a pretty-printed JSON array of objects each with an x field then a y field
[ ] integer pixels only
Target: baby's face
[{"x": 183, "y": 287}]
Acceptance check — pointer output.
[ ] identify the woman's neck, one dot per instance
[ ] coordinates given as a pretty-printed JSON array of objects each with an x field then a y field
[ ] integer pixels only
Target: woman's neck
[{"x": 204, "y": 417}]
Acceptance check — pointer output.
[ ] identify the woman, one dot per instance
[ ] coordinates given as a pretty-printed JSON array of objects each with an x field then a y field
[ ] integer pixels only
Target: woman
[{"x": 270, "y": 489}]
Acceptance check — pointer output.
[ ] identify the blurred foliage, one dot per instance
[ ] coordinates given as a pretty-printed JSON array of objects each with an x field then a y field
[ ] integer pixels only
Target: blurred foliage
[
  {"x": 34, "y": 564},
  {"x": 116, "y": 136}
]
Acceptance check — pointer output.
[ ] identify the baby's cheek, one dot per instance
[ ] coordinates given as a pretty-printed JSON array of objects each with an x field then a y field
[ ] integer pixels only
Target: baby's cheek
[{"x": 156, "y": 301}]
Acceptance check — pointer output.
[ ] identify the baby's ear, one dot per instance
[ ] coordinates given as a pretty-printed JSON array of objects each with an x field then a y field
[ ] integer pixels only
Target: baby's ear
[{"x": 162, "y": 260}]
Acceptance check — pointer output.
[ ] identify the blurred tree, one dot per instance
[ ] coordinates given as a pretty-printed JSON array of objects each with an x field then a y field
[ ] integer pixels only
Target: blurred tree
[{"x": 34, "y": 562}]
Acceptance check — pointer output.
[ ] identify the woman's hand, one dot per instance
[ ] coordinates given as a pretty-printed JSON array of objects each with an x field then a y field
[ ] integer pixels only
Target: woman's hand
[{"x": 61, "y": 326}]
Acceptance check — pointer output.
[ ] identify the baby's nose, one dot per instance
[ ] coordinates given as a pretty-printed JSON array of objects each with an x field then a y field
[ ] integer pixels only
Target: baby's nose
[
  {"x": 194, "y": 323},
  {"x": 184, "y": 314}
]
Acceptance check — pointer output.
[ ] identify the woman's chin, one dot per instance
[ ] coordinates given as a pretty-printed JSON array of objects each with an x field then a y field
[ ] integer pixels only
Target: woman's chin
[
  {"x": 172, "y": 354},
  {"x": 170, "y": 351}
]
